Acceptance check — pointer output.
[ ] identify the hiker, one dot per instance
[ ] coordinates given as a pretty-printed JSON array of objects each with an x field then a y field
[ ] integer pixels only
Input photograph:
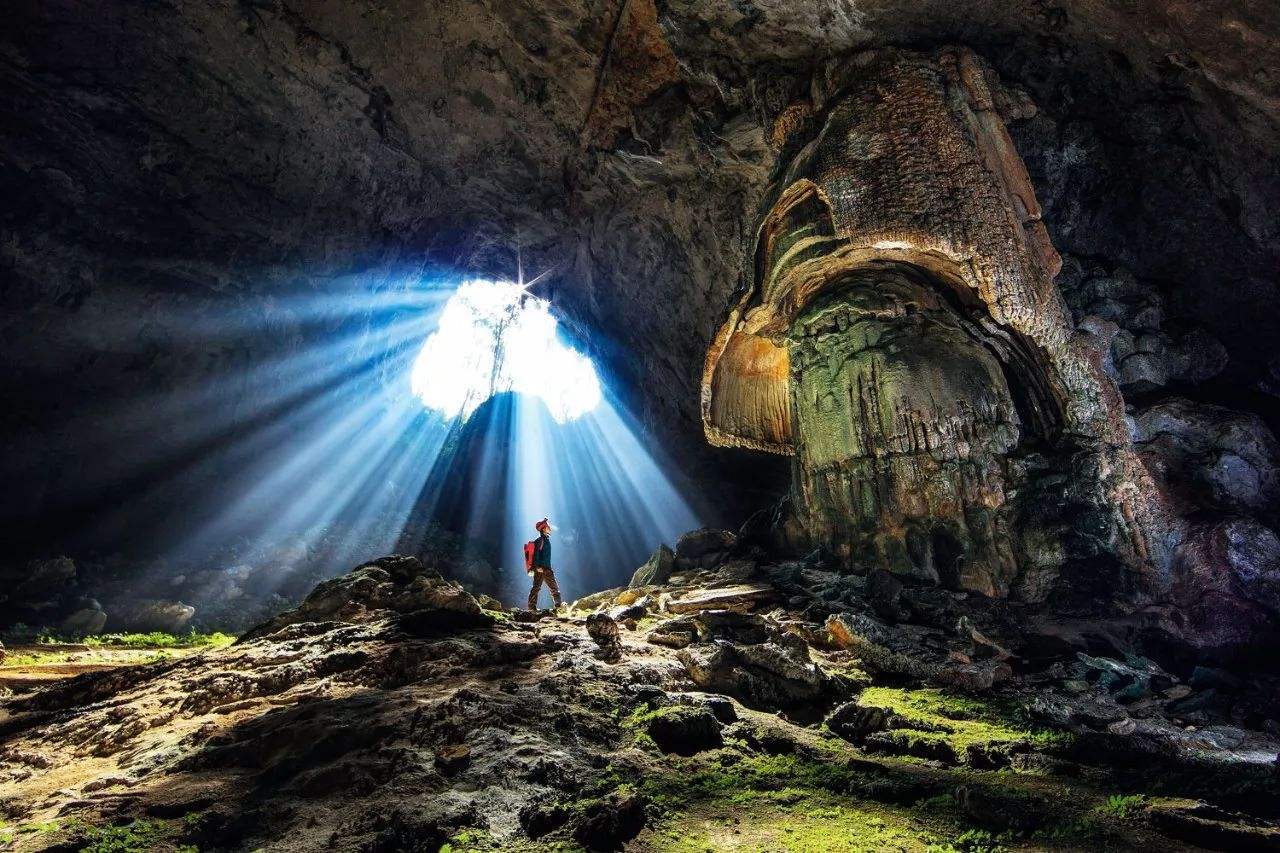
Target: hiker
[{"x": 538, "y": 564}]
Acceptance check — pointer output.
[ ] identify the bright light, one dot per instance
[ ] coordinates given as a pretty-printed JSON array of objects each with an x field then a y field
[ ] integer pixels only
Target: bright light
[{"x": 494, "y": 337}]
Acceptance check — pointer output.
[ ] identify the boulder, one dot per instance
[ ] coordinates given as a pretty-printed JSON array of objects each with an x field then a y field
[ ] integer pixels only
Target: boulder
[
  {"x": 704, "y": 541},
  {"x": 684, "y": 729},
  {"x": 603, "y": 629},
  {"x": 720, "y": 706},
  {"x": 86, "y": 620},
  {"x": 422, "y": 601},
  {"x": 608, "y": 823},
  {"x": 1210, "y": 456},
  {"x": 1252, "y": 550},
  {"x": 604, "y": 598},
  {"x": 773, "y": 675},
  {"x": 745, "y": 628},
  {"x": 981, "y": 646},
  {"x": 735, "y": 571},
  {"x": 1226, "y": 583},
  {"x": 854, "y": 722},
  {"x": 674, "y": 633},
  {"x": 452, "y": 758},
  {"x": 884, "y": 594},
  {"x": 872, "y": 642},
  {"x": 172, "y": 617},
  {"x": 656, "y": 571},
  {"x": 636, "y": 609},
  {"x": 740, "y": 597}
]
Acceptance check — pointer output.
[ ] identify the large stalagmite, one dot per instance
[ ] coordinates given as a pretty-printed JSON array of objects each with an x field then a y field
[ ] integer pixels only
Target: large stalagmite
[{"x": 902, "y": 336}]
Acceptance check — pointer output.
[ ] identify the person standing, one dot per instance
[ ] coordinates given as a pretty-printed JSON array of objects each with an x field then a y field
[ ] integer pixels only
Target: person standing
[{"x": 541, "y": 570}]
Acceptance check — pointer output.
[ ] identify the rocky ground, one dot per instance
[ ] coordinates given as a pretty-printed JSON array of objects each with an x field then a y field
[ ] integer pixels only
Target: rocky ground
[{"x": 721, "y": 701}]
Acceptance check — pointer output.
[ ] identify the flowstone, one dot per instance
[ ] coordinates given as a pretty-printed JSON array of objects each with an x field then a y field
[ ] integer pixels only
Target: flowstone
[{"x": 900, "y": 335}]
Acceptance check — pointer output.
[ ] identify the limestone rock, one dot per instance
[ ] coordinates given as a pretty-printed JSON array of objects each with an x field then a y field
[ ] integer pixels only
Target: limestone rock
[
  {"x": 656, "y": 571},
  {"x": 1144, "y": 354},
  {"x": 86, "y": 620},
  {"x": 884, "y": 594},
  {"x": 772, "y": 675},
  {"x": 1253, "y": 552},
  {"x": 1224, "y": 583},
  {"x": 674, "y": 633},
  {"x": 396, "y": 585},
  {"x": 684, "y": 730},
  {"x": 634, "y": 609},
  {"x": 854, "y": 722},
  {"x": 732, "y": 625},
  {"x": 603, "y": 629},
  {"x": 1210, "y": 456},
  {"x": 741, "y": 597},
  {"x": 172, "y": 617},
  {"x": 870, "y": 640},
  {"x": 705, "y": 541}
]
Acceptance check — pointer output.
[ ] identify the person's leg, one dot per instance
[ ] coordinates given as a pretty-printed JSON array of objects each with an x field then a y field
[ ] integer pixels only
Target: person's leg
[
  {"x": 553, "y": 587},
  {"x": 533, "y": 593}
]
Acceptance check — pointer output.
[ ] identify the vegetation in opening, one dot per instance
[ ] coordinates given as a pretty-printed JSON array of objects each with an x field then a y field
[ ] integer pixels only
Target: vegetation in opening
[{"x": 51, "y": 649}]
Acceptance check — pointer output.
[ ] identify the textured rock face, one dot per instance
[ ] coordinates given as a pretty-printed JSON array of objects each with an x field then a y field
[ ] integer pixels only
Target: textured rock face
[
  {"x": 905, "y": 418},
  {"x": 901, "y": 335},
  {"x": 374, "y": 718}
]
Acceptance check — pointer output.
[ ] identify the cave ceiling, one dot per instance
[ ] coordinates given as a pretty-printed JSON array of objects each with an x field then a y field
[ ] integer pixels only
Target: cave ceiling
[{"x": 199, "y": 154}]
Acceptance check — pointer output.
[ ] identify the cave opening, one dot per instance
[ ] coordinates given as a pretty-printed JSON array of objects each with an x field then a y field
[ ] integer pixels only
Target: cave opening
[
  {"x": 493, "y": 337},
  {"x": 534, "y": 432}
]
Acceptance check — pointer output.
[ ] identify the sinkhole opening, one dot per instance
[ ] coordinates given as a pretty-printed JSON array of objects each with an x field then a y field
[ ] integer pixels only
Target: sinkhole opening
[{"x": 494, "y": 337}]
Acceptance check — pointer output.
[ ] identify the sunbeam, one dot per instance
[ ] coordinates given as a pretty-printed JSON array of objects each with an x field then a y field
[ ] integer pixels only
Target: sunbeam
[{"x": 419, "y": 415}]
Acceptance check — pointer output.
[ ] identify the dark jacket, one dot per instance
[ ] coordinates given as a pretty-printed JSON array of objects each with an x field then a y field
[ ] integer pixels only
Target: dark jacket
[{"x": 542, "y": 552}]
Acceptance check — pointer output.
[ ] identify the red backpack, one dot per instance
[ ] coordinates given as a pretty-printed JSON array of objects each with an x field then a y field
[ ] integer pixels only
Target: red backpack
[{"x": 529, "y": 548}]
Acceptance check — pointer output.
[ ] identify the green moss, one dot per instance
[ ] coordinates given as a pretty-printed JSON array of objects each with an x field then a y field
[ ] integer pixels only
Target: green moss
[
  {"x": 959, "y": 721},
  {"x": 637, "y": 723},
  {"x": 136, "y": 837},
  {"x": 731, "y": 774},
  {"x": 469, "y": 841},
  {"x": 790, "y": 819},
  {"x": 502, "y": 617}
]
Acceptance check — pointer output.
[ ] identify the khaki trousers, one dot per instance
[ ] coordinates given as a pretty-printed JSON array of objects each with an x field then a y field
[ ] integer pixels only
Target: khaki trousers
[{"x": 541, "y": 574}]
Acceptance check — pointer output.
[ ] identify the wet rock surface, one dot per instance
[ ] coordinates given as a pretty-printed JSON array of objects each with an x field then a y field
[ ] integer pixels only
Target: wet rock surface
[{"x": 390, "y": 712}]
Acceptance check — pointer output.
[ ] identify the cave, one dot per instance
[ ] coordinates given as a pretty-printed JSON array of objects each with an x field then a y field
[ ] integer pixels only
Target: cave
[{"x": 879, "y": 398}]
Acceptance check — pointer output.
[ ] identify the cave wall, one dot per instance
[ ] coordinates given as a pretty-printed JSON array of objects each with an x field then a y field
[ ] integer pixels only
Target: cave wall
[{"x": 162, "y": 162}]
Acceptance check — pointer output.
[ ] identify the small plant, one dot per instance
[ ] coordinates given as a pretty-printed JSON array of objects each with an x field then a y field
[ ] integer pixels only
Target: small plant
[
  {"x": 971, "y": 841},
  {"x": 161, "y": 640},
  {"x": 1121, "y": 805},
  {"x": 135, "y": 837},
  {"x": 466, "y": 841}
]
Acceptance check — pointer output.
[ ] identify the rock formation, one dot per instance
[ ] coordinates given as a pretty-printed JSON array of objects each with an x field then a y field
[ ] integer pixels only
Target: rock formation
[
  {"x": 390, "y": 712},
  {"x": 902, "y": 336}
]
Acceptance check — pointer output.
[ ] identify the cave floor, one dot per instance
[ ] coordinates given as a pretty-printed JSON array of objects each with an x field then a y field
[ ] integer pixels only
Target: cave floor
[
  {"x": 380, "y": 728},
  {"x": 30, "y": 665}
]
